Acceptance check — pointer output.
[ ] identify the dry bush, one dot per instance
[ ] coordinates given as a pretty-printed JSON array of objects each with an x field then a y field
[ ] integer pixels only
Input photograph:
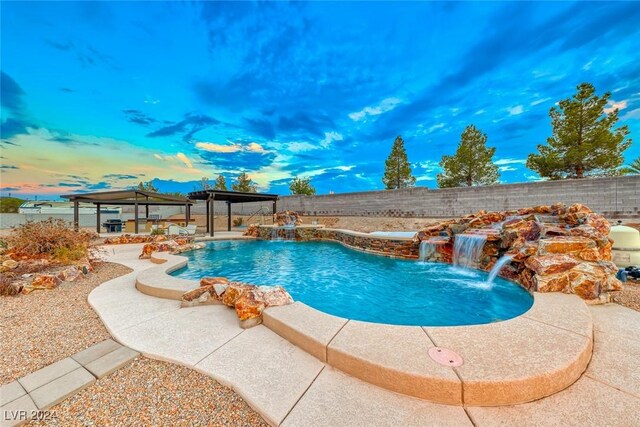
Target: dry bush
[
  {"x": 43, "y": 239},
  {"x": 8, "y": 287}
]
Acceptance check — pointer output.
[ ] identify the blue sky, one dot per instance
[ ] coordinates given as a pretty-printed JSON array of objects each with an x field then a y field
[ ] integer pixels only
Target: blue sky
[{"x": 103, "y": 95}]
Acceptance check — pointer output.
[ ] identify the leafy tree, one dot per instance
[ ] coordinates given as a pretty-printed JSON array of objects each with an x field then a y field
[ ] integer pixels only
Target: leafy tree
[
  {"x": 632, "y": 168},
  {"x": 244, "y": 183},
  {"x": 147, "y": 186},
  {"x": 397, "y": 170},
  {"x": 302, "y": 186},
  {"x": 472, "y": 164},
  {"x": 204, "y": 184},
  {"x": 583, "y": 141},
  {"x": 220, "y": 184}
]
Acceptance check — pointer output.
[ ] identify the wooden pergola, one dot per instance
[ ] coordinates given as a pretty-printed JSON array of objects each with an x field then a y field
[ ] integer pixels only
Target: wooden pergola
[
  {"x": 230, "y": 197},
  {"x": 127, "y": 198}
]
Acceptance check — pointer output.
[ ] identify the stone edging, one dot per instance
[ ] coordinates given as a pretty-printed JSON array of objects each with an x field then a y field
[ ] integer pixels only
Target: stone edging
[{"x": 529, "y": 357}]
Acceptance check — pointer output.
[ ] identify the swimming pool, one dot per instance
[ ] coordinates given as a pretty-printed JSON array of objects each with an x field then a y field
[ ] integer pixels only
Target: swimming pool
[{"x": 360, "y": 286}]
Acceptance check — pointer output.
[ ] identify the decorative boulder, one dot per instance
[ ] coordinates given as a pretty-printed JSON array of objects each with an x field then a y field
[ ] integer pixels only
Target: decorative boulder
[
  {"x": 45, "y": 281},
  {"x": 249, "y": 301},
  {"x": 70, "y": 274},
  {"x": 544, "y": 265}
]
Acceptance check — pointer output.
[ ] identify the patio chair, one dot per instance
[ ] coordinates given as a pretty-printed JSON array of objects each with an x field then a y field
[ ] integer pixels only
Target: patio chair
[{"x": 176, "y": 229}]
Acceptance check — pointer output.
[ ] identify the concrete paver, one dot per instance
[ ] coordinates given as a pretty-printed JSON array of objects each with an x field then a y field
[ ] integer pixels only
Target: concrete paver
[
  {"x": 111, "y": 361},
  {"x": 10, "y": 392},
  {"x": 17, "y": 412},
  {"x": 46, "y": 375},
  {"x": 95, "y": 351},
  {"x": 61, "y": 388}
]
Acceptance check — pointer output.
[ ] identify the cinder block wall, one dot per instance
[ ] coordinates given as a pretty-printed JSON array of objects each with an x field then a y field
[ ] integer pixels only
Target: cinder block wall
[{"x": 614, "y": 197}]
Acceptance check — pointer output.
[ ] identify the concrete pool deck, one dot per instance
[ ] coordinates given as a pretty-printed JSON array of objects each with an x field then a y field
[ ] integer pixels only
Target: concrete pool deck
[{"x": 288, "y": 385}]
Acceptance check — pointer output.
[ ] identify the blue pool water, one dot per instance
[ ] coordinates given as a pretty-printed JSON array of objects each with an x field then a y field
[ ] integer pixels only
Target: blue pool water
[{"x": 361, "y": 286}]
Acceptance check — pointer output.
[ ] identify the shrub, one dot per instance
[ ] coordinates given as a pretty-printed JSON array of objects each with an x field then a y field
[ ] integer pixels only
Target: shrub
[
  {"x": 69, "y": 255},
  {"x": 48, "y": 238},
  {"x": 8, "y": 287},
  {"x": 238, "y": 222},
  {"x": 157, "y": 232}
]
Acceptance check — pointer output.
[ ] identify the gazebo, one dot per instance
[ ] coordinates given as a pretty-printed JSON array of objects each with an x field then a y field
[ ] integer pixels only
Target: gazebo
[
  {"x": 230, "y": 197},
  {"x": 127, "y": 198}
]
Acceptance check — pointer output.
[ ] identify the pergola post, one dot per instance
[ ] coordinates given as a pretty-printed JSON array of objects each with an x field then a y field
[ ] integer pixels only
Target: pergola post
[
  {"x": 228, "y": 216},
  {"x": 274, "y": 211},
  {"x": 135, "y": 218},
  {"x": 76, "y": 215},
  {"x": 212, "y": 217},
  {"x": 207, "y": 214},
  {"x": 98, "y": 218},
  {"x": 186, "y": 214}
]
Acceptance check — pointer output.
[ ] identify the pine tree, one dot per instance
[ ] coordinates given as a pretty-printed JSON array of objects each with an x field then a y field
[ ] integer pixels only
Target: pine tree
[
  {"x": 472, "y": 164},
  {"x": 583, "y": 141},
  {"x": 204, "y": 184},
  {"x": 220, "y": 184},
  {"x": 245, "y": 184},
  {"x": 302, "y": 186},
  {"x": 147, "y": 186},
  {"x": 397, "y": 170}
]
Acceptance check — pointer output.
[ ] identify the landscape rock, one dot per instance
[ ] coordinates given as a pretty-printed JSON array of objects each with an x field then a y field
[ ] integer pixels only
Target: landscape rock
[
  {"x": 551, "y": 264},
  {"x": 45, "y": 281},
  {"x": 70, "y": 274},
  {"x": 249, "y": 301},
  {"x": 9, "y": 264}
]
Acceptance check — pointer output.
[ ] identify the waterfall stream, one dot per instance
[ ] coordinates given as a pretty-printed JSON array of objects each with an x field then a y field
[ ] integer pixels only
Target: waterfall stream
[
  {"x": 467, "y": 249},
  {"x": 495, "y": 270},
  {"x": 427, "y": 249}
]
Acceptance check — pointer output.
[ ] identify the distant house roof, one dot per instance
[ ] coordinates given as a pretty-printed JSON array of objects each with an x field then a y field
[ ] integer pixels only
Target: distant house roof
[
  {"x": 128, "y": 197},
  {"x": 232, "y": 196}
]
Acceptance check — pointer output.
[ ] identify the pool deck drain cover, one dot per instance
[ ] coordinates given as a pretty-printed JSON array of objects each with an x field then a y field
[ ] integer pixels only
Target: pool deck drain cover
[{"x": 445, "y": 357}]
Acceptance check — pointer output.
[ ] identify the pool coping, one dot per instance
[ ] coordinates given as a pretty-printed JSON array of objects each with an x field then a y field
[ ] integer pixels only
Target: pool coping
[{"x": 503, "y": 365}]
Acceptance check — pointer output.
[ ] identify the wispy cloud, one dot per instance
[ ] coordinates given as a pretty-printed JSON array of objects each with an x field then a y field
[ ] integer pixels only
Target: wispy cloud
[
  {"x": 613, "y": 105},
  {"x": 515, "y": 110},
  {"x": 330, "y": 137},
  {"x": 383, "y": 106},
  {"x": 185, "y": 160}
]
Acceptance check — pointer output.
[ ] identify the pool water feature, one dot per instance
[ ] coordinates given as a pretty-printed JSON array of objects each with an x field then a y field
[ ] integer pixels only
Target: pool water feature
[
  {"x": 467, "y": 249},
  {"x": 360, "y": 286},
  {"x": 495, "y": 270},
  {"x": 283, "y": 232}
]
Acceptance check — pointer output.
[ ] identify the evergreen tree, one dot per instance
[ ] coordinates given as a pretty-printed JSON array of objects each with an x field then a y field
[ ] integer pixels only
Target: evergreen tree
[
  {"x": 204, "y": 184},
  {"x": 397, "y": 170},
  {"x": 632, "y": 168},
  {"x": 146, "y": 186},
  {"x": 583, "y": 141},
  {"x": 472, "y": 164},
  {"x": 302, "y": 186},
  {"x": 245, "y": 184},
  {"x": 220, "y": 184}
]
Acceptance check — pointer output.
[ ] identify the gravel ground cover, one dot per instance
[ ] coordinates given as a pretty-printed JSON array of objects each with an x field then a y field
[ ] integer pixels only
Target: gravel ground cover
[
  {"x": 149, "y": 392},
  {"x": 45, "y": 326},
  {"x": 629, "y": 296}
]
